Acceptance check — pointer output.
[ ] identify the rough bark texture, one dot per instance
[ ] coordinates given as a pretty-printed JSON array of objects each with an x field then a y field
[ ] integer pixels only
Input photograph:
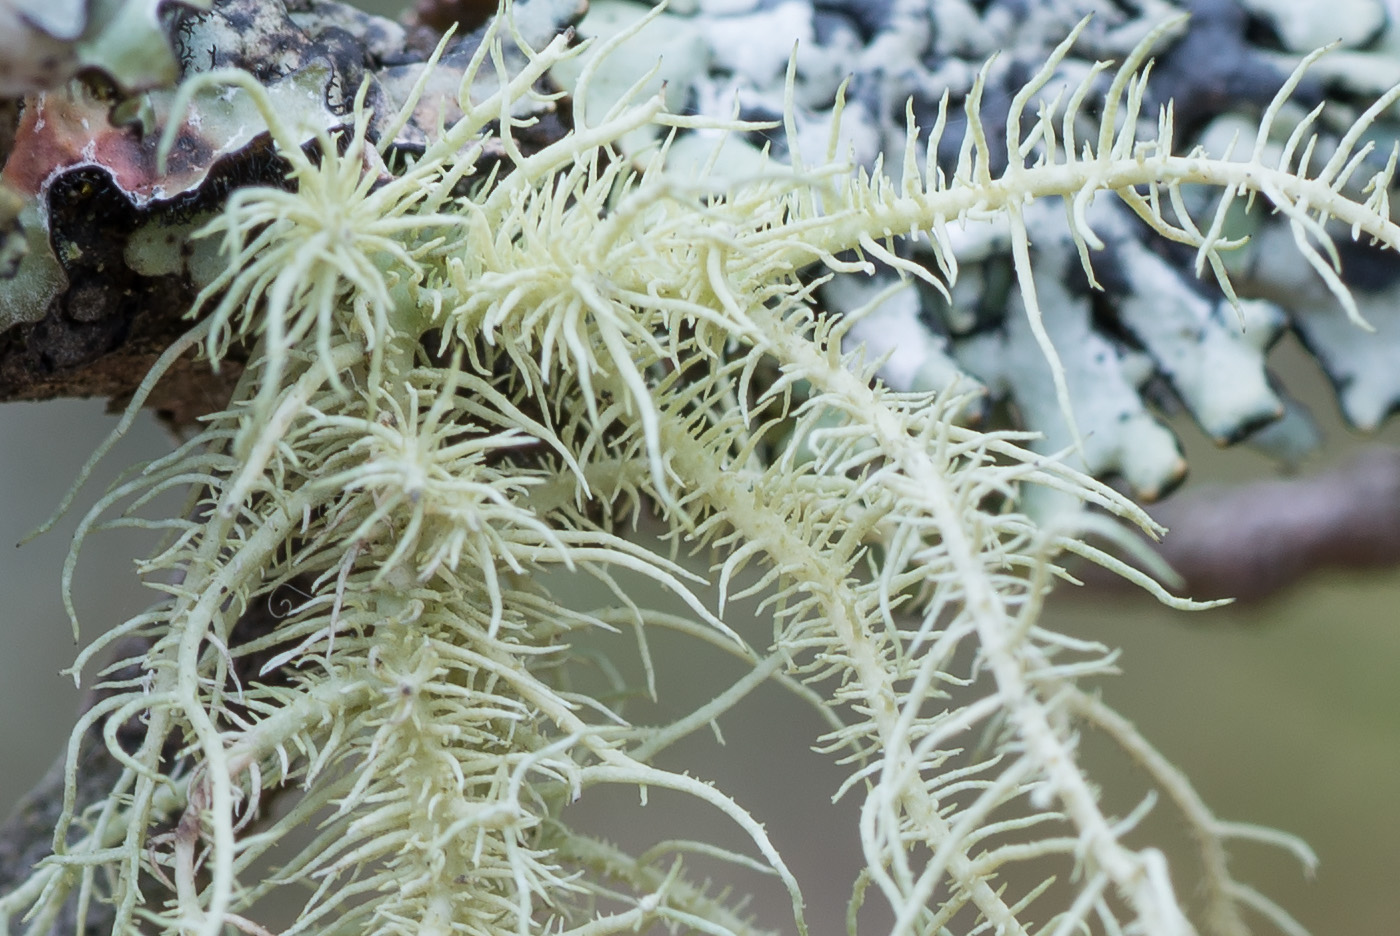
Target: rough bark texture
[
  {"x": 100, "y": 336},
  {"x": 82, "y": 193}
]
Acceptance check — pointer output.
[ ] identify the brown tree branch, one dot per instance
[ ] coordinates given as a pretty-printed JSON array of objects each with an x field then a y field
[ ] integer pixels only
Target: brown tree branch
[{"x": 1252, "y": 541}]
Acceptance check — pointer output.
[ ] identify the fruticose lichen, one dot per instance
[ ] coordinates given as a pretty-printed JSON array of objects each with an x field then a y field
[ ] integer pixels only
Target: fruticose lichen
[{"x": 473, "y": 364}]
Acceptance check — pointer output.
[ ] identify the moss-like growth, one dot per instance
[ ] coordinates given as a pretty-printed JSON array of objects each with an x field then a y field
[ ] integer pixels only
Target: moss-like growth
[{"x": 461, "y": 382}]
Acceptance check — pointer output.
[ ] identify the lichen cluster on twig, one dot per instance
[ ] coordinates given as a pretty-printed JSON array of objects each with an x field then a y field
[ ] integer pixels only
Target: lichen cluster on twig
[{"x": 463, "y": 379}]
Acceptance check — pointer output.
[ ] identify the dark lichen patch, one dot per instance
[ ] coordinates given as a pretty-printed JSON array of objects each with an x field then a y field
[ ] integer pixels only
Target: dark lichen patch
[
  {"x": 78, "y": 186},
  {"x": 100, "y": 335},
  {"x": 1218, "y": 65}
]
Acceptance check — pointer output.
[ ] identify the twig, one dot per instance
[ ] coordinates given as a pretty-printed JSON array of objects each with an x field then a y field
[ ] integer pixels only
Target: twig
[{"x": 1251, "y": 541}]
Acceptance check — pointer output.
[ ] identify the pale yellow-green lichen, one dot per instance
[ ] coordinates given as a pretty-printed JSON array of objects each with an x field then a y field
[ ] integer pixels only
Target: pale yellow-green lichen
[{"x": 461, "y": 382}]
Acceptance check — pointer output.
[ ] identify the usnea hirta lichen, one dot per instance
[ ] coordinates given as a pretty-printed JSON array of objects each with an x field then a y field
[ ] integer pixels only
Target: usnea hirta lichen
[{"x": 465, "y": 378}]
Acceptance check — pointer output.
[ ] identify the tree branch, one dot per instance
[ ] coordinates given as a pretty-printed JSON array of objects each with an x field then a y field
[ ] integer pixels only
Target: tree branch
[{"x": 1254, "y": 540}]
